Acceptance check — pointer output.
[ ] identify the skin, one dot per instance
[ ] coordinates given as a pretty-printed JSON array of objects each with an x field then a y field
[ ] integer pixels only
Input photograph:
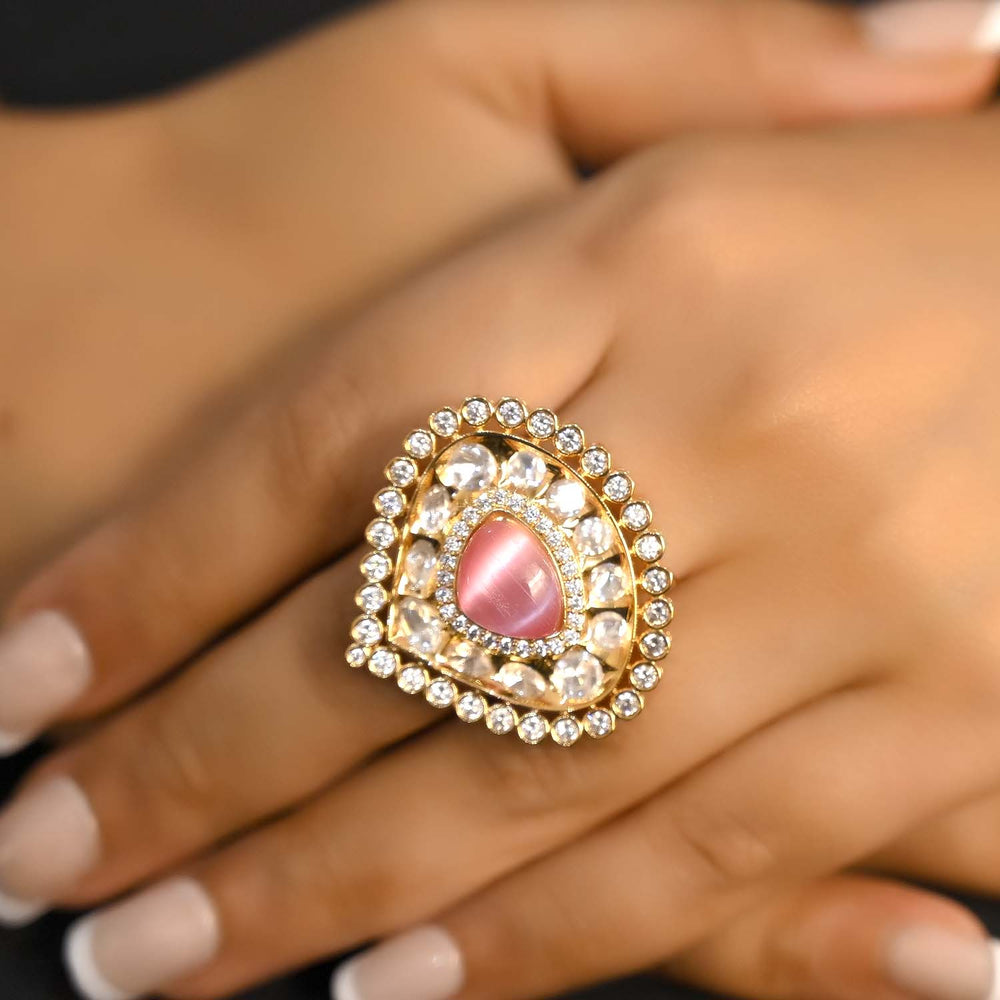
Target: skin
[{"x": 775, "y": 380}]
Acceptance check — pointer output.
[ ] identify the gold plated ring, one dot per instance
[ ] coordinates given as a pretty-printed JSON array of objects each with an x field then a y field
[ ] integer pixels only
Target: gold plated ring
[{"x": 513, "y": 577}]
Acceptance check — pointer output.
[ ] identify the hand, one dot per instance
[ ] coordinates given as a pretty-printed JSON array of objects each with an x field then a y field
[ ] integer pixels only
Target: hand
[{"x": 159, "y": 260}]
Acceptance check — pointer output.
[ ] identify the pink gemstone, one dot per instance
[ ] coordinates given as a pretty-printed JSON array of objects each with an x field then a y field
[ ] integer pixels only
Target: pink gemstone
[{"x": 507, "y": 582}]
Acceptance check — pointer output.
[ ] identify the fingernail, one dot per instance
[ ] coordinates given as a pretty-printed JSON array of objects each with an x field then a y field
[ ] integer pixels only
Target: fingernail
[
  {"x": 932, "y": 963},
  {"x": 48, "y": 839},
  {"x": 44, "y": 667},
  {"x": 144, "y": 943},
  {"x": 933, "y": 25},
  {"x": 422, "y": 964}
]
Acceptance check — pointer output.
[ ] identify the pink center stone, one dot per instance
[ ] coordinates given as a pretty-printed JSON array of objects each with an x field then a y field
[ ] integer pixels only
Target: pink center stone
[{"x": 507, "y": 582}]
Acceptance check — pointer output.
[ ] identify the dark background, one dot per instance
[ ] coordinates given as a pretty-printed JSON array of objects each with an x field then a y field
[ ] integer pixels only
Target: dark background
[{"x": 58, "y": 52}]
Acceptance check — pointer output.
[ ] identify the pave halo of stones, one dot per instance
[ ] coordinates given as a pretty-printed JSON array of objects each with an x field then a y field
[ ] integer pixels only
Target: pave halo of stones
[{"x": 484, "y": 460}]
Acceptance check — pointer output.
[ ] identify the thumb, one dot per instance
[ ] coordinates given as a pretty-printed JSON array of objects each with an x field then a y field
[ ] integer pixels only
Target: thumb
[
  {"x": 848, "y": 937},
  {"x": 611, "y": 75}
]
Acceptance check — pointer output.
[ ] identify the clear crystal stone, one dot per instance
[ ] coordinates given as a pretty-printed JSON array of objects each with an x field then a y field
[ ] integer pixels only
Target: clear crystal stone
[
  {"x": 510, "y": 412},
  {"x": 380, "y": 533},
  {"x": 569, "y": 440},
  {"x": 417, "y": 627},
  {"x": 637, "y": 515},
  {"x": 524, "y": 470},
  {"x": 609, "y": 632},
  {"x": 645, "y": 676},
  {"x": 469, "y": 466},
  {"x": 418, "y": 569},
  {"x": 532, "y": 728},
  {"x": 412, "y": 679},
  {"x": 656, "y": 580},
  {"x": 468, "y": 659},
  {"x": 542, "y": 423},
  {"x": 376, "y": 566},
  {"x": 434, "y": 511},
  {"x": 401, "y": 472},
  {"x": 607, "y": 585},
  {"x": 371, "y": 597},
  {"x": 596, "y": 461},
  {"x": 356, "y": 656},
  {"x": 593, "y": 536},
  {"x": 441, "y": 693},
  {"x": 654, "y": 645},
  {"x": 419, "y": 443},
  {"x": 444, "y": 422},
  {"x": 366, "y": 630},
  {"x": 566, "y": 731},
  {"x": 522, "y": 647},
  {"x": 599, "y": 723},
  {"x": 618, "y": 487},
  {"x": 578, "y": 676},
  {"x": 657, "y": 614},
  {"x": 501, "y": 719},
  {"x": 649, "y": 547},
  {"x": 566, "y": 499},
  {"x": 390, "y": 502},
  {"x": 522, "y": 681},
  {"x": 383, "y": 662},
  {"x": 626, "y": 704},
  {"x": 476, "y": 411},
  {"x": 471, "y": 707}
]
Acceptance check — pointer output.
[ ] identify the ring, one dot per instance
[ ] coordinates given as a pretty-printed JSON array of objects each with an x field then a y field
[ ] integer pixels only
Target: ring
[{"x": 513, "y": 577}]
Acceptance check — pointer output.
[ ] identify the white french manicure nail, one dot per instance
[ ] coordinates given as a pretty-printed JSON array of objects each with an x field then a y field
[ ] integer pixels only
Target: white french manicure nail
[
  {"x": 49, "y": 838},
  {"x": 932, "y": 963},
  {"x": 138, "y": 946},
  {"x": 421, "y": 964},
  {"x": 933, "y": 25},
  {"x": 44, "y": 667}
]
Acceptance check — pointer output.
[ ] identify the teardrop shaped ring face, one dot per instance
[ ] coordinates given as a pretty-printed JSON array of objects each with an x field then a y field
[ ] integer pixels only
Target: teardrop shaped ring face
[{"x": 513, "y": 577}]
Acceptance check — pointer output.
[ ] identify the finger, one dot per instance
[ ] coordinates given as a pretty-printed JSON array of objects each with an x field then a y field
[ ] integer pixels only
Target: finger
[
  {"x": 845, "y": 937},
  {"x": 615, "y": 76}
]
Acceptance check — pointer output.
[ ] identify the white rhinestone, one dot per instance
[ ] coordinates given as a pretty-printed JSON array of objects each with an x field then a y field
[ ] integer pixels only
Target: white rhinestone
[
  {"x": 469, "y": 466},
  {"x": 542, "y": 423},
  {"x": 412, "y": 680},
  {"x": 390, "y": 503},
  {"x": 383, "y": 663},
  {"x": 401, "y": 472},
  {"x": 637, "y": 515},
  {"x": 417, "y": 627},
  {"x": 607, "y": 584},
  {"x": 569, "y": 440},
  {"x": 501, "y": 719},
  {"x": 433, "y": 512},
  {"x": 618, "y": 487},
  {"x": 596, "y": 461},
  {"x": 418, "y": 568},
  {"x": 468, "y": 659},
  {"x": 356, "y": 656},
  {"x": 655, "y": 645},
  {"x": 476, "y": 411},
  {"x": 609, "y": 632},
  {"x": 658, "y": 613},
  {"x": 593, "y": 536},
  {"x": 566, "y": 499},
  {"x": 599, "y": 723},
  {"x": 376, "y": 566},
  {"x": 380, "y": 533},
  {"x": 366, "y": 631},
  {"x": 419, "y": 443},
  {"x": 444, "y": 422},
  {"x": 522, "y": 647},
  {"x": 532, "y": 729},
  {"x": 371, "y": 597},
  {"x": 521, "y": 680},
  {"x": 645, "y": 676},
  {"x": 656, "y": 580},
  {"x": 578, "y": 676},
  {"x": 441, "y": 693},
  {"x": 524, "y": 470},
  {"x": 649, "y": 547},
  {"x": 471, "y": 707},
  {"x": 566, "y": 731},
  {"x": 510, "y": 412},
  {"x": 626, "y": 704}
]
